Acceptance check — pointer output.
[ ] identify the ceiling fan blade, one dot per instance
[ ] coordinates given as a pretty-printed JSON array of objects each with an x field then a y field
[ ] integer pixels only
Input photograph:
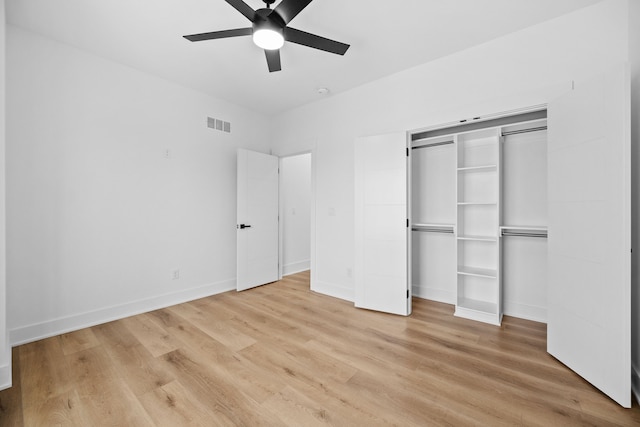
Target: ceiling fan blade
[
  {"x": 273, "y": 60},
  {"x": 220, "y": 34},
  {"x": 289, "y": 9},
  {"x": 316, "y": 42},
  {"x": 243, "y": 8}
]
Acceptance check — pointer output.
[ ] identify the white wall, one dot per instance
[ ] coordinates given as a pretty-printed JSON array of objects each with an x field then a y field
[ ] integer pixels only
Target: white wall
[
  {"x": 5, "y": 347},
  {"x": 97, "y": 217},
  {"x": 526, "y": 68},
  {"x": 634, "y": 57},
  {"x": 295, "y": 200}
]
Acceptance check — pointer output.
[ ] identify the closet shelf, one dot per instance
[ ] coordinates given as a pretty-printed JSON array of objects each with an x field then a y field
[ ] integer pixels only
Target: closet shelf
[
  {"x": 482, "y": 168},
  {"x": 477, "y": 272},
  {"x": 478, "y": 238},
  {"x": 478, "y": 305}
]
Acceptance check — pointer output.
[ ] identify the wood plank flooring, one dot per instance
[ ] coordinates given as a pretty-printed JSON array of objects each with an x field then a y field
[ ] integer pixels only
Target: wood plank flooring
[{"x": 281, "y": 355}]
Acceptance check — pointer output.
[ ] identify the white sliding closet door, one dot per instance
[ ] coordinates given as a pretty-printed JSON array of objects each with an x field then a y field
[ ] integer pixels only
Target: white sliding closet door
[
  {"x": 589, "y": 290},
  {"x": 381, "y": 251}
]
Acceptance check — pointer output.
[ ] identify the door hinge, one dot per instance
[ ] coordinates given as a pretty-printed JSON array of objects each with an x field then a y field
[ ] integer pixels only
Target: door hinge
[
  {"x": 407, "y": 293},
  {"x": 407, "y": 151},
  {"x": 407, "y": 222}
]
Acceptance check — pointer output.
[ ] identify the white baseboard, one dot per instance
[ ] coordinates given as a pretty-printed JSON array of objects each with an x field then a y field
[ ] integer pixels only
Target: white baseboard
[
  {"x": 523, "y": 311},
  {"x": 30, "y": 333},
  {"x": 5, "y": 369},
  {"x": 5, "y": 377},
  {"x": 635, "y": 382},
  {"x": 296, "y": 267},
  {"x": 438, "y": 295},
  {"x": 333, "y": 290}
]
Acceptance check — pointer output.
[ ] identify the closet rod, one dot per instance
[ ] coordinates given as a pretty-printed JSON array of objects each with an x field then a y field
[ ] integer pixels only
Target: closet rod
[
  {"x": 506, "y": 233},
  {"x": 515, "y": 132},
  {"x": 434, "y": 144},
  {"x": 434, "y": 230}
]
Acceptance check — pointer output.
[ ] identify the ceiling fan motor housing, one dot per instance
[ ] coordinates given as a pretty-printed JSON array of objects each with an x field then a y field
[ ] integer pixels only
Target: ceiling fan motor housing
[{"x": 268, "y": 19}]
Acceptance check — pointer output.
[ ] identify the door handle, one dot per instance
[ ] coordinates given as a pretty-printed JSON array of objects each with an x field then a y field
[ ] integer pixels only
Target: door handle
[{"x": 243, "y": 226}]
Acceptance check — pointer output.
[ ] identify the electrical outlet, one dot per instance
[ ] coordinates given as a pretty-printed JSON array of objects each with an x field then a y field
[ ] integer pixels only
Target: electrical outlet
[{"x": 175, "y": 274}]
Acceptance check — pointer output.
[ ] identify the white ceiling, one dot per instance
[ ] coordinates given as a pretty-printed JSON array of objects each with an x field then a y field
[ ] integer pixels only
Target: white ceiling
[{"x": 385, "y": 37}]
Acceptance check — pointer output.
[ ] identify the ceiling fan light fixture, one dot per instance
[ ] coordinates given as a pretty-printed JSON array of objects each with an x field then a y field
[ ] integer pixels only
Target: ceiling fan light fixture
[{"x": 268, "y": 38}]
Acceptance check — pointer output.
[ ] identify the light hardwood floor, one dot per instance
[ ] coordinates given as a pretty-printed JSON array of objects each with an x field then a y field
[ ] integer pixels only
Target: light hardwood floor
[{"x": 283, "y": 355}]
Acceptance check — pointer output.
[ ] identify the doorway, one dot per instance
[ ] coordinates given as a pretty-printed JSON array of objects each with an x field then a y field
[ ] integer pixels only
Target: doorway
[{"x": 295, "y": 214}]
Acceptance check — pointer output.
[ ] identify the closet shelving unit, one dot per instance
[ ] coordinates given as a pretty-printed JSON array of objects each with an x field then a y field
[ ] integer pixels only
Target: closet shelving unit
[
  {"x": 494, "y": 188},
  {"x": 477, "y": 242}
]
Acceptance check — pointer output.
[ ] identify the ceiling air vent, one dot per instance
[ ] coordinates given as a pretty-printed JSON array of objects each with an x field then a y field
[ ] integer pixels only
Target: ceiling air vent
[{"x": 218, "y": 124}]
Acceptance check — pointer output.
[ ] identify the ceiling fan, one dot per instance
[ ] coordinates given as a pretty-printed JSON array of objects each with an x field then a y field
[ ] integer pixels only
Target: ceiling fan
[{"x": 270, "y": 30}]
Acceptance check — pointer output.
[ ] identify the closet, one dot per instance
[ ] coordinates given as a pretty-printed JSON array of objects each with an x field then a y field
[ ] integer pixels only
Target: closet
[
  {"x": 502, "y": 216},
  {"x": 479, "y": 215}
]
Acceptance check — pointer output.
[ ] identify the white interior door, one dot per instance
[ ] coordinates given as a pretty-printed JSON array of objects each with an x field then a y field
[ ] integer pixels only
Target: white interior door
[
  {"x": 381, "y": 249},
  {"x": 589, "y": 291},
  {"x": 257, "y": 219}
]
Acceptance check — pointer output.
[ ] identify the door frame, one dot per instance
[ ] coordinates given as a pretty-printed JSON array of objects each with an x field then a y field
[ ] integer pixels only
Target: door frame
[{"x": 312, "y": 216}]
